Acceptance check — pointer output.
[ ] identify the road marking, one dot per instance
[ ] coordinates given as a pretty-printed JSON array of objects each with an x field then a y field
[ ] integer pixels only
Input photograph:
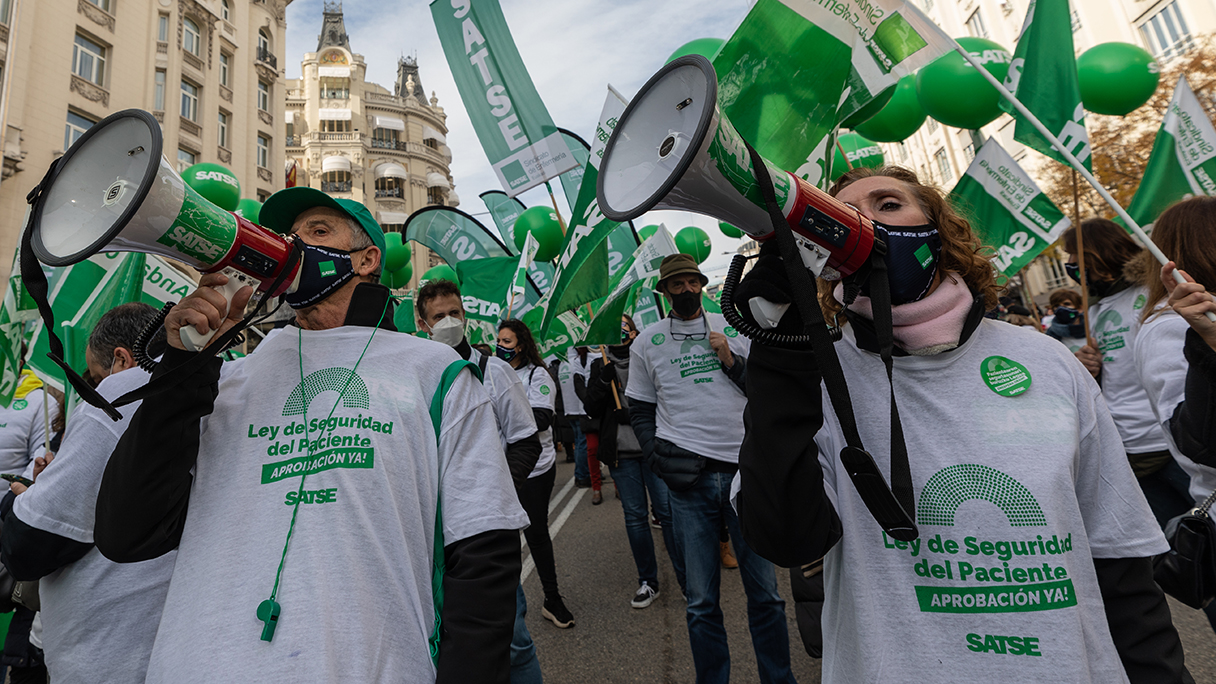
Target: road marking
[{"x": 530, "y": 565}]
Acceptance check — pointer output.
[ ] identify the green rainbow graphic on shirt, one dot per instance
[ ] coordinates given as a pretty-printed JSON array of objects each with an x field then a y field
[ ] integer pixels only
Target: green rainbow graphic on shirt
[
  {"x": 321, "y": 441},
  {"x": 952, "y": 571}
]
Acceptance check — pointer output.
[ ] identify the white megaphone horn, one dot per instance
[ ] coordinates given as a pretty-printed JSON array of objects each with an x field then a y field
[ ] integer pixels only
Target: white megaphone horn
[
  {"x": 673, "y": 148},
  {"x": 113, "y": 191}
]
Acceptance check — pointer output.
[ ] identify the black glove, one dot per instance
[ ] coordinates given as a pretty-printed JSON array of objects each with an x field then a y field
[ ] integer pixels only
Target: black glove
[
  {"x": 608, "y": 373},
  {"x": 622, "y": 416},
  {"x": 768, "y": 279}
]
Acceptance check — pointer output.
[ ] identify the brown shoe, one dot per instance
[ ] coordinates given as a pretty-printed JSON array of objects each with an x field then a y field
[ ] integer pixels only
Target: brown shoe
[
  {"x": 597, "y": 498},
  {"x": 728, "y": 558}
]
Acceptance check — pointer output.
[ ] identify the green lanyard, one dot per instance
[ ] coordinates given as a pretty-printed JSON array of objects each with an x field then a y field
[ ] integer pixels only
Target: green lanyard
[{"x": 268, "y": 610}]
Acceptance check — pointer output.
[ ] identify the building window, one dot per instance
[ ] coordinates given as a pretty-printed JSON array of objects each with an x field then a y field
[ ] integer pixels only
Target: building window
[
  {"x": 223, "y": 128},
  {"x": 6, "y": 6},
  {"x": 185, "y": 158},
  {"x": 389, "y": 187},
  {"x": 192, "y": 40},
  {"x": 263, "y": 96},
  {"x": 263, "y": 42},
  {"x": 335, "y": 88},
  {"x": 76, "y": 126},
  {"x": 226, "y": 10},
  {"x": 434, "y": 196},
  {"x": 386, "y": 138},
  {"x": 89, "y": 60},
  {"x": 328, "y": 126},
  {"x": 104, "y": 4},
  {"x": 975, "y": 25},
  {"x": 335, "y": 181},
  {"x": 158, "y": 98},
  {"x": 1166, "y": 33},
  {"x": 943, "y": 163},
  {"x": 162, "y": 28},
  {"x": 263, "y": 152},
  {"x": 969, "y": 152},
  {"x": 932, "y": 124},
  {"x": 225, "y": 66},
  {"x": 1076, "y": 21},
  {"x": 392, "y": 227},
  {"x": 189, "y": 101}
]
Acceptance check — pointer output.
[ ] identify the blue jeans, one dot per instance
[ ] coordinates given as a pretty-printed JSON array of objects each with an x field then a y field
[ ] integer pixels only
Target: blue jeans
[
  {"x": 581, "y": 471},
  {"x": 698, "y": 514},
  {"x": 525, "y": 668},
  {"x": 633, "y": 478}
]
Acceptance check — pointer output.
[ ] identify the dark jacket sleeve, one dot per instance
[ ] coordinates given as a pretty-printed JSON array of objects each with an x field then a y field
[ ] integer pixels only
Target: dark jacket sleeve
[
  {"x": 784, "y": 512},
  {"x": 522, "y": 457},
  {"x": 643, "y": 421},
  {"x": 1193, "y": 424},
  {"x": 544, "y": 418},
  {"x": 141, "y": 506},
  {"x": 580, "y": 387},
  {"x": 479, "y": 608},
  {"x": 738, "y": 373},
  {"x": 1140, "y": 622},
  {"x": 30, "y": 553},
  {"x": 595, "y": 399}
]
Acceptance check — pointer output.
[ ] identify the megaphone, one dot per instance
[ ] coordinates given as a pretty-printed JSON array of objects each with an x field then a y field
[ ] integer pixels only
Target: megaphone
[
  {"x": 113, "y": 191},
  {"x": 673, "y": 148}
]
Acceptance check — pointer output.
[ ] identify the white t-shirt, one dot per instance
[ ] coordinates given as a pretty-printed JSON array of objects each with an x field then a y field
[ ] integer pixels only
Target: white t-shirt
[
  {"x": 356, "y": 587},
  {"x": 699, "y": 408},
  {"x": 997, "y": 479},
  {"x": 23, "y": 428},
  {"x": 99, "y": 617},
  {"x": 566, "y": 370},
  {"x": 539, "y": 386},
  {"x": 512, "y": 411},
  {"x": 1162, "y": 370},
  {"x": 1115, "y": 324}
]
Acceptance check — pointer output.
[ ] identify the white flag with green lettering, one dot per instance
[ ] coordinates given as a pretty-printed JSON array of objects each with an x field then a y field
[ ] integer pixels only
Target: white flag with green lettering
[
  {"x": 1183, "y": 160},
  {"x": 1006, "y": 208}
]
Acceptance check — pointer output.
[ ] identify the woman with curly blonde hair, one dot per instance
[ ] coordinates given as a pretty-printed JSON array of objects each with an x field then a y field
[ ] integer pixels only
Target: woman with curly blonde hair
[{"x": 1034, "y": 539}]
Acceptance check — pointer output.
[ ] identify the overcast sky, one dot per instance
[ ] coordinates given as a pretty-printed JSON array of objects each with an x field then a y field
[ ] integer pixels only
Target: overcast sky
[{"x": 572, "y": 48}]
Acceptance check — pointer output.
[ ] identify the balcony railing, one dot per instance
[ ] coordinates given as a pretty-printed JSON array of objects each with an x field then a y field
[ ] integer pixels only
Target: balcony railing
[
  {"x": 334, "y": 137},
  {"x": 335, "y": 186},
  {"x": 264, "y": 55},
  {"x": 294, "y": 141},
  {"x": 388, "y": 192},
  {"x": 389, "y": 144}
]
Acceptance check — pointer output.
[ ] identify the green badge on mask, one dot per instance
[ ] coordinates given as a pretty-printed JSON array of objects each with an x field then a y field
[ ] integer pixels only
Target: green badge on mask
[
  {"x": 924, "y": 255},
  {"x": 1006, "y": 377},
  {"x": 657, "y": 339},
  {"x": 327, "y": 268}
]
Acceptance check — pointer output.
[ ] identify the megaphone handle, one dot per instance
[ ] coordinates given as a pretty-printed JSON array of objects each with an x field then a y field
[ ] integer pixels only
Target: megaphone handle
[{"x": 191, "y": 338}]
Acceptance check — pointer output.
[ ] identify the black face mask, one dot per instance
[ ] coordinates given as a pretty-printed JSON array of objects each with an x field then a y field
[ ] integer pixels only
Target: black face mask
[
  {"x": 322, "y": 271},
  {"x": 1097, "y": 288},
  {"x": 504, "y": 353},
  {"x": 1068, "y": 319},
  {"x": 913, "y": 253},
  {"x": 686, "y": 303}
]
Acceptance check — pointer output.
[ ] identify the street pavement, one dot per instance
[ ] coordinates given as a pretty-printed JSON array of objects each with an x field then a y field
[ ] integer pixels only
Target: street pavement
[{"x": 613, "y": 643}]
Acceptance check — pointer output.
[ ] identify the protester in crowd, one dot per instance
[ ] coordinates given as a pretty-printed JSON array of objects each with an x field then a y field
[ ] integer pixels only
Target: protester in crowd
[
  {"x": 1066, "y": 323},
  {"x": 983, "y": 481},
  {"x": 687, "y": 394},
  {"x": 517, "y": 347},
  {"x": 620, "y": 449},
  {"x": 563, "y": 430},
  {"x": 441, "y": 315},
  {"x": 569, "y": 371},
  {"x": 1170, "y": 358},
  {"x": 99, "y": 617},
  {"x": 581, "y": 364},
  {"x": 1118, "y": 300},
  {"x": 302, "y": 487}
]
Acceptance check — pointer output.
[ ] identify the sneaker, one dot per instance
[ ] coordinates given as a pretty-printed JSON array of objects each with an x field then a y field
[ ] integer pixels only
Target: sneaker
[
  {"x": 556, "y": 612},
  {"x": 645, "y": 596},
  {"x": 582, "y": 483},
  {"x": 597, "y": 498},
  {"x": 728, "y": 559}
]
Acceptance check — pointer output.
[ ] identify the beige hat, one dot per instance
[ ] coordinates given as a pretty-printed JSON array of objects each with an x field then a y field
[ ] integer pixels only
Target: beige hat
[{"x": 679, "y": 264}]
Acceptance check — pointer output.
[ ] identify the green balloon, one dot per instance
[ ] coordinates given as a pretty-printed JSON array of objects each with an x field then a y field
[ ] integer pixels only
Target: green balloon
[
  {"x": 694, "y": 242},
  {"x": 215, "y": 183},
  {"x": 440, "y": 272},
  {"x": 1116, "y": 78},
  {"x": 647, "y": 231},
  {"x": 951, "y": 90},
  {"x": 900, "y": 118},
  {"x": 396, "y": 253},
  {"x": 249, "y": 209},
  {"x": 861, "y": 152},
  {"x": 728, "y": 230},
  {"x": 706, "y": 47},
  {"x": 399, "y": 278},
  {"x": 541, "y": 222},
  {"x": 872, "y": 108}
]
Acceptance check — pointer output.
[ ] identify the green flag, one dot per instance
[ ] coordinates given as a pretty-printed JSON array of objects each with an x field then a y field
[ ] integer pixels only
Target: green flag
[
  {"x": 643, "y": 266},
  {"x": 505, "y": 210},
  {"x": 525, "y": 149},
  {"x": 18, "y": 311},
  {"x": 795, "y": 68},
  {"x": 1043, "y": 77},
  {"x": 1006, "y": 209},
  {"x": 483, "y": 288},
  {"x": 1183, "y": 160},
  {"x": 519, "y": 281},
  {"x": 452, "y": 234}
]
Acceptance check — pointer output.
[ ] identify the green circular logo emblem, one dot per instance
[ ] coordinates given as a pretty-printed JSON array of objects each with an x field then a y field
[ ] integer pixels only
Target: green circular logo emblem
[
  {"x": 658, "y": 339},
  {"x": 544, "y": 389},
  {"x": 20, "y": 404},
  {"x": 1140, "y": 302},
  {"x": 730, "y": 332},
  {"x": 1006, "y": 377}
]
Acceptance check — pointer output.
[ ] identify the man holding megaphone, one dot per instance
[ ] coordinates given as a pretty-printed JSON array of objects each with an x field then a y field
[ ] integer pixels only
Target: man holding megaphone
[{"x": 339, "y": 499}]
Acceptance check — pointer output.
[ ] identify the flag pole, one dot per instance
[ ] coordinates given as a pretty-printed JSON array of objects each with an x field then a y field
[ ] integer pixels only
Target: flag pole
[
  {"x": 560, "y": 221},
  {"x": 1076, "y": 213}
]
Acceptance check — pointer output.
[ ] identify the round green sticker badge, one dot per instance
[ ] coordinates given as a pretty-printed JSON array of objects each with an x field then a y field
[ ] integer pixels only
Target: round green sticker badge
[
  {"x": 20, "y": 404},
  {"x": 544, "y": 389},
  {"x": 658, "y": 339},
  {"x": 1006, "y": 377},
  {"x": 730, "y": 332}
]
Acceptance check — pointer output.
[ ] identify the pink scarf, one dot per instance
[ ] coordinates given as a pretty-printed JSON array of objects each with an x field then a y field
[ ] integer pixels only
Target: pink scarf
[{"x": 929, "y": 326}]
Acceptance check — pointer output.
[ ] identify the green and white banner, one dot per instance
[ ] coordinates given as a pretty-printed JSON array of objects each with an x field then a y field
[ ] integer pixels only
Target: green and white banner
[
  {"x": 629, "y": 284},
  {"x": 519, "y": 282},
  {"x": 505, "y": 211},
  {"x": 483, "y": 288},
  {"x": 18, "y": 313},
  {"x": 1043, "y": 76},
  {"x": 525, "y": 149},
  {"x": 795, "y": 68},
  {"x": 452, "y": 234},
  {"x": 1006, "y": 208},
  {"x": 1183, "y": 160}
]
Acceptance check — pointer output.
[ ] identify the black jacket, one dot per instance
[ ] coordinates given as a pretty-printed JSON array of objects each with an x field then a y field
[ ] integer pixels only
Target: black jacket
[
  {"x": 1193, "y": 424},
  {"x": 606, "y": 417}
]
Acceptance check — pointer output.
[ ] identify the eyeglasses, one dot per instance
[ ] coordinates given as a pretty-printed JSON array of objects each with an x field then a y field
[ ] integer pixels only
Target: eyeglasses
[{"x": 696, "y": 337}]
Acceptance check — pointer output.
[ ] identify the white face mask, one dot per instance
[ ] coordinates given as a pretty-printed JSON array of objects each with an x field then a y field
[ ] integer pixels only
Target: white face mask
[{"x": 449, "y": 331}]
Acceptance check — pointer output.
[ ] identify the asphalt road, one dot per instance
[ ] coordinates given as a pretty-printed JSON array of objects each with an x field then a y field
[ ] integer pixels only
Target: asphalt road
[{"x": 613, "y": 643}]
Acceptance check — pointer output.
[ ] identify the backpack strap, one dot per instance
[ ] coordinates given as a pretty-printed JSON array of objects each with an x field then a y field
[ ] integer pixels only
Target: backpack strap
[{"x": 439, "y": 564}]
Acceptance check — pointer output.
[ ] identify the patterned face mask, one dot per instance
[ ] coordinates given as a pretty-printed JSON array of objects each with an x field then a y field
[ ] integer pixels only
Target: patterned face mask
[{"x": 322, "y": 271}]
